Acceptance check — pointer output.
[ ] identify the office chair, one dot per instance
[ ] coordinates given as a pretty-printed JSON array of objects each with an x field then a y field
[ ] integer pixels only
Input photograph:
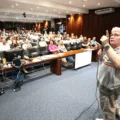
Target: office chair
[
  {"x": 68, "y": 47},
  {"x": 17, "y": 75},
  {"x": 43, "y": 50},
  {"x": 34, "y": 44},
  {"x": 73, "y": 46},
  {"x": 33, "y": 52},
  {"x": 78, "y": 45}
]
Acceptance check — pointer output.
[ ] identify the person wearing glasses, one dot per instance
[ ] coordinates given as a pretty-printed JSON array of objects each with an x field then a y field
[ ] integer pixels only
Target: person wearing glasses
[{"x": 109, "y": 75}]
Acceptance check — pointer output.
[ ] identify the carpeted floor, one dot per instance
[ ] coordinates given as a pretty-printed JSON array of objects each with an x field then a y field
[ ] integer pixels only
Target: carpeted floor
[{"x": 52, "y": 97}]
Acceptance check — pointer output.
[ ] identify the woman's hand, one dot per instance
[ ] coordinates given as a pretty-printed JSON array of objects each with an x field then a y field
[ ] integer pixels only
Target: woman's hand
[{"x": 100, "y": 53}]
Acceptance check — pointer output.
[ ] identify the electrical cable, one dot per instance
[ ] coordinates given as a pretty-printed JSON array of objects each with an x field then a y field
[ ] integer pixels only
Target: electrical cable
[{"x": 96, "y": 98}]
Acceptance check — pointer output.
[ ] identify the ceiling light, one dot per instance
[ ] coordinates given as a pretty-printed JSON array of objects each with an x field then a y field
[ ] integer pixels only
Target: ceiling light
[
  {"x": 70, "y": 2},
  {"x": 31, "y": 8},
  {"x": 98, "y": 4},
  {"x": 59, "y": 12},
  {"x": 12, "y": 6},
  {"x": 46, "y": 11},
  {"x": 83, "y": 5},
  {"x": 37, "y": 7},
  {"x": 16, "y": 4},
  {"x": 54, "y": 9},
  {"x": 85, "y": 0}
]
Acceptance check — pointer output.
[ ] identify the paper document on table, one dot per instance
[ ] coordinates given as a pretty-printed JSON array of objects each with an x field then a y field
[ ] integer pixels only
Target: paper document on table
[
  {"x": 43, "y": 57},
  {"x": 51, "y": 56},
  {"x": 36, "y": 60},
  {"x": 61, "y": 54}
]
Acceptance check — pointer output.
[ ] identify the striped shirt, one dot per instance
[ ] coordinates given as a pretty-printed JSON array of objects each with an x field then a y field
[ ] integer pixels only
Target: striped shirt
[{"x": 108, "y": 75}]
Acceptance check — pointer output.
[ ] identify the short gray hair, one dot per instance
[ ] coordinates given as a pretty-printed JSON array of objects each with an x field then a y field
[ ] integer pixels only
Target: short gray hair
[{"x": 115, "y": 28}]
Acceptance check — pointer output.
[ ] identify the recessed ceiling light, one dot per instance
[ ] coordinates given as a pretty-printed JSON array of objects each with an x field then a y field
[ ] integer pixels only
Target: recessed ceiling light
[
  {"x": 12, "y": 6},
  {"x": 37, "y": 7},
  {"x": 31, "y": 8},
  {"x": 83, "y": 5},
  {"x": 70, "y": 2},
  {"x": 59, "y": 12},
  {"x": 46, "y": 11},
  {"x": 54, "y": 9},
  {"x": 98, "y": 4},
  {"x": 16, "y": 4}
]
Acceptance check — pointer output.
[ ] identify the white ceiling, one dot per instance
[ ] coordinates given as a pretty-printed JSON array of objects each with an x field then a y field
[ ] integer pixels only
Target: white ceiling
[{"x": 39, "y": 10}]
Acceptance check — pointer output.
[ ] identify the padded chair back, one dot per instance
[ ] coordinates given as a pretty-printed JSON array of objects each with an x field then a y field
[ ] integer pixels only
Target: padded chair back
[
  {"x": 10, "y": 54},
  {"x": 78, "y": 45},
  {"x": 33, "y": 52},
  {"x": 48, "y": 42},
  {"x": 34, "y": 44},
  {"x": 43, "y": 50},
  {"x": 68, "y": 47},
  {"x": 73, "y": 46},
  {"x": 34, "y": 40},
  {"x": 2, "y": 55}
]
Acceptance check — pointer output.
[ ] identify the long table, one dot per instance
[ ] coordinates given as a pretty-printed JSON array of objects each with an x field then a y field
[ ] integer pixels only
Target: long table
[{"x": 55, "y": 60}]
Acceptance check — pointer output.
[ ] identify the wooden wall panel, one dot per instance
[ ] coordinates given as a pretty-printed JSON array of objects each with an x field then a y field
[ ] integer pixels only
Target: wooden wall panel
[{"x": 93, "y": 25}]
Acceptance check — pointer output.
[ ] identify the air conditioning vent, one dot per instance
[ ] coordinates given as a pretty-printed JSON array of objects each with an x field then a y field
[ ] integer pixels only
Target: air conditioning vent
[{"x": 104, "y": 11}]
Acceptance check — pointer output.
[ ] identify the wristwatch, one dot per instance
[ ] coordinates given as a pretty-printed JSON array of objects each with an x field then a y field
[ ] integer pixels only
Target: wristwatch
[{"x": 106, "y": 47}]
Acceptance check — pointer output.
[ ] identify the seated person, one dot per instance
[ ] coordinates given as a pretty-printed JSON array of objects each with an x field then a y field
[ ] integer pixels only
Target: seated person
[
  {"x": 5, "y": 46},
  {"x": 26, "y": 44},
  {"x": 19, "y": 41},
  {"x": 15, "y": 44},
  {"x": 81, "y": 38},
  {"x": 62, "y": 48},
  {"x": 54, "y": 49},
  {"x": 94, "y": 43},
  {"x": 85, "y": 43},
  {"x": 42, "y": 42},
  {"x": 72, "y": 36}
]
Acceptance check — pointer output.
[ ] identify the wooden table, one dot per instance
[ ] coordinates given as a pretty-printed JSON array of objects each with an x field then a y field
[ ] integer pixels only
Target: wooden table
[{"x": 55, "y": 60}]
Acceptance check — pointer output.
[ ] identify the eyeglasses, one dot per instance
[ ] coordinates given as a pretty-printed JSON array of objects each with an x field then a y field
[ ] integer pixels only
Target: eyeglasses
[{"x": 114, "y": 35}]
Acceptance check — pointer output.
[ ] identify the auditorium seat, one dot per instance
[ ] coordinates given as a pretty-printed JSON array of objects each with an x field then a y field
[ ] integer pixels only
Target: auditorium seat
[
  {"x": 2, "y": 55},
  {"x": 43, "y": 50},
  {"x": 73, "y": 46},
  {"x": 78, "y": 45},
  {"x": 33, "y": 52},
  {"x": 68, "y": 47}
]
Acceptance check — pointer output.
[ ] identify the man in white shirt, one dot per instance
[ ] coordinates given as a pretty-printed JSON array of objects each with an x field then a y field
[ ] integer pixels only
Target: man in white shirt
[{"x": 62, "y": 48}]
